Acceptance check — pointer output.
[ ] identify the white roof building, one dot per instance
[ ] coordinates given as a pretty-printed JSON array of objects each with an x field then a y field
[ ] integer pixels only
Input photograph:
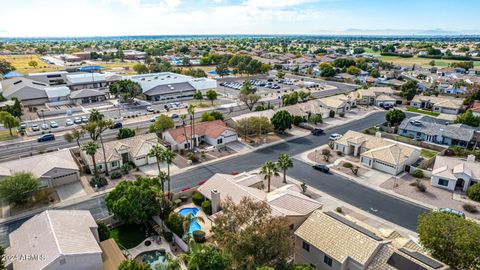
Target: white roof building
[
  {"x": 85, "y": 78},
  {"x": 57, "y": 92},
  {"x": 152, "y": 80}
]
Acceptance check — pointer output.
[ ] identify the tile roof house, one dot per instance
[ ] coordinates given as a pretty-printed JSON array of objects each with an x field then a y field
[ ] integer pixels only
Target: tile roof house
[
  {"x": 305, "y": 109},
  {"x": 119, "y": 152},
  {"x": 338, "y": 103},
  {"x": 448, "y": 105},
  {"x": 215, "y": 133},
  {"x": 29, "y": 92},
  {"x": 454, "y": 173},
  {"x": 59, "y": 239},
  {"x": 327, "y": 240},
  {"x": 378, "y": 153},
  {"x": 52, "y": 169},
  {"x": 426, "y": 128},
  {"x": 287, "y": 201}
]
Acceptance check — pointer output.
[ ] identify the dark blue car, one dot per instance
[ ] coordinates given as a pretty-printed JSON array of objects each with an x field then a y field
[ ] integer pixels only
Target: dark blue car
[{"x": 46, "y": 138}]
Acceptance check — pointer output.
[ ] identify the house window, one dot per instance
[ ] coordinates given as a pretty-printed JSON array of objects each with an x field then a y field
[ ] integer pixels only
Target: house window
[
  {"x": 99, "y": 166},
  {"x": 443, "y": 182},
  {"x": 306, "y": 246},
  {"x": 114, "y": 164},
  {"x": 220, "y": 141},
  {"x": 327, "y": 260}
]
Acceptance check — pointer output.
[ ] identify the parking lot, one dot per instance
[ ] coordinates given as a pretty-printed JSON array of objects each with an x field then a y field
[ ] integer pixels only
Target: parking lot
[{"x": 264, "y": 86}]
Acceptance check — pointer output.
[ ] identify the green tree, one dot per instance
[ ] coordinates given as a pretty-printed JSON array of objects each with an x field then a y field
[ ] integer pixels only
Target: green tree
[
  {"x": 157, "y": 152},
  {"x": 261, "y": 237},
  {"x": 189, "y": 219},
  {"x": 282, "y": 120},
  {"x": 140, "y": 68},
  {"x": 281, "y": 74},
  {"x": 90, "y": 149},
  {"x": 211, "y": 116},
  {"x": 450, "y": 239},
  {"x": 5, "y": 67},
  {"x": 468, "y": 118},
  {"x": 353, "y": 70},
  {"x": 2, "y": 255},
  {"x": 473, "y": 192},
  {"x": 198, "y": 95},
  {"x": 95, "y": 127},
  {"x": 409, "y": 89},
  {"x": 191, "y": 113},
  {"x": 221, "y": 69},
  {"x": 16, "y": 109},
  {"x": 125, "y": 89},
  {"x": 172, "y": 263},
  {"x": 395, "y": 117},
  {"x": 124, "y": 133},
  {"x": 248, "y": 95},
  {"x": 33, "y": 63},
  {"x": 211, "y": 95},
  {"x": 161, "y": 124},
  {"x": 315, "y": 118},
  {"x": 304, "y": 96},
  {"x": 269, "y": 170},
  {"x": 19, "y": 187},
  {"x": 168, "y": 156},
  {"x": 75, "y": 135},
  {"x": 207, "y": 257},
  {"x": 253, "y": 125},
  {"x": 103, "y": 231},
  {"x": 9, "y": 121},
  {"x": 132, "y": 264},
  {"x": 284, "y": 163},
  {"x": 134, "y": 201}
]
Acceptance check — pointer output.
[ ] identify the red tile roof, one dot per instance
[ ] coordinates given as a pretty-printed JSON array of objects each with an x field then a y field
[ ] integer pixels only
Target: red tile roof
[{"x": 212, "y": 129}]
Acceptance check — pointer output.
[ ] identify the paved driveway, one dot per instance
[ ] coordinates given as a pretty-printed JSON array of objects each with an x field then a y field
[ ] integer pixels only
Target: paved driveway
[{"x": 70, "y": 191}]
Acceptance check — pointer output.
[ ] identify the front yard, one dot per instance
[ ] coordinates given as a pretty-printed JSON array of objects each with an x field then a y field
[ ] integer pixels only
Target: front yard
[{"x": 416, "y": 110}]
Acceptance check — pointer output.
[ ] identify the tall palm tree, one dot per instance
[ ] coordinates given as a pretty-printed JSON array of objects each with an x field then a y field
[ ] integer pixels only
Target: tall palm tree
[
  {"x": 188, "y": 220},
  {"x": 95, "y": 129},
  {"x": 157, "y": 152},
  {"x": 269, "y": 169},
  {"x": 284, "y": 162},
  {"x": 75, "y": 135},
  {"x": 95, "y": 116},
  {"x": 90, "y": 149},
  {"x": 183, "y": 117},
  {"x": 168, "y": 156},
  {"x": 191, "y": 112}
]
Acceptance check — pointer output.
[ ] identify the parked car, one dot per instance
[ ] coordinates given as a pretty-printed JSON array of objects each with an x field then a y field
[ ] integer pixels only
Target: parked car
[
  {"x": 321, "y": 167},
  {"x": 116, "y": 125},
  {"x": 450, "y": 211},
  {"x": 35, "y": 127},
  {"x": 317, "y": 131},
  {"x": 150, "y": 109},
  {"x": 174, "y": 116},
  {"x": 53, "y": 124},
  {"x": 153, "y": 118},
  {"x": 44, "y": 126},
  {"x": 46, "y": 137},
  {"x": 77, "y": 120},
  {"x": 84, "y": 119},
  {"x": 68, "y": 122},
  {"x": 335, "y": 136}
]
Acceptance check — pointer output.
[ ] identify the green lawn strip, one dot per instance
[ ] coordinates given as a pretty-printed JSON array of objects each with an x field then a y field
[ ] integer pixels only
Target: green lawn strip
[
  {"x": 413, "y": 109},
  {"x": 129, "y": 235},
  {"x": 5, "y": 135},
  {"x": 428, "y": 153}
]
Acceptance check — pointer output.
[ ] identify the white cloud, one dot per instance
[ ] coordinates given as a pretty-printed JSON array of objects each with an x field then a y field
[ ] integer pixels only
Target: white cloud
[{"x": 276, "y": 3}]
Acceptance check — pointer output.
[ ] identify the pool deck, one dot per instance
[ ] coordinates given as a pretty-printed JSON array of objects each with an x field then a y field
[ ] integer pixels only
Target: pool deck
[
  {"x": 134, "y": 252},
  {"x": 207, "y": 226}
]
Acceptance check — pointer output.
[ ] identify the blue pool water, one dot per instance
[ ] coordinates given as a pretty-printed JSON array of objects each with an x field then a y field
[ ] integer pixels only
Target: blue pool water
[
  {"x": 194, "y": 226},
  {"x": 156, "y": 259}
]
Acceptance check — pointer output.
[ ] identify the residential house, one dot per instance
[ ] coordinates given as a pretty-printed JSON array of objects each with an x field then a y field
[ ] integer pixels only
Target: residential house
[
  {"x": 329, "y": 241},
  {"x": 53, "y": 169},
  {"x": 475, "y": 108},
  {"x": 306, "y": 109},
  {"x": 56, "y": 240},
  {"x": 448, "y": 105},
  {"x": 287, "y": 201},
  {"x": 28, "y": 91},
  {"x": 119, "y": 152},
  {"x": 87, "y": 96},
  {"x": 426, "y": 128},
  {"x": 374, "y": 96},
  {"x": 215, "y": 133},
  {"x": 338, "y": 103},
  {"x": 86, "y": 80},
  {"x": 378, "y": 153},
  {"x": 454, "y": 173}
]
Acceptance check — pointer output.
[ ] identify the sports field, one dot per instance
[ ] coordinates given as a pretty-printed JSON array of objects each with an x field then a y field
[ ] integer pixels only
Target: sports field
[{"x": 20, "y": 62}]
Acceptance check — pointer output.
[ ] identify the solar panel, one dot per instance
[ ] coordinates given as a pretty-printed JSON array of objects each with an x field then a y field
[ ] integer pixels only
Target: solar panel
[
  {"x": 403, "y": 263},
  {"x": 422, "y": 258},
  {"x": 354, "y": 226}
]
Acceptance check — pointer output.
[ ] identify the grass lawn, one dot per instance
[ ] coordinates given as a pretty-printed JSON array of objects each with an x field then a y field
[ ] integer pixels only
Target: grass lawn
[
  {"x": 5, "y": 135},
  {"x": 129, "y": 235},
  {"x": 20, "y": 62},
  {"x": 413, "y": 109},
  {"x": 426, "y": 153},
  {"x": 419, "y": 61}
]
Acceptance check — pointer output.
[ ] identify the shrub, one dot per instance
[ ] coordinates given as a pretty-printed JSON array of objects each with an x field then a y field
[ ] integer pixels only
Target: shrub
[
  {"x": 297, "y": 120},
  {"x": 342, "y": 114},
  {"x": 347, "y": 165},
  {"x": 197, "y": 198},
  {"x": 331, "y": 114},
  {"x": 339, "y": 209},
  {"x": 326, "y": 152},
  {"x": 207, "y": 207},
  {"x": 103, "y": 231},
  {"x": 417, "y": 174},
  {"x": 473, "y": 192},
  {"x": 199, "y": 236},
  {"x": 182, "y": 151},
  {"x": 191, "y": 156},
  {"x": 168, "y": 236},
  {"x": 470, "y": 208},
  {"x": 124, "y": 133},
  {"x": 116, "y": 175},
  {"x": 421, "y": 186},
  {"x": 175, "y": 223},
  {"x": 339, "y": 153},
  {"x": 126, "y": 167},
  {"x": 98, "y": 181}
]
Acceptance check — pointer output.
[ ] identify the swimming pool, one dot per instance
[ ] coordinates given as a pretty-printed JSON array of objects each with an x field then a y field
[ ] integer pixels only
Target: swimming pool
[
  {"x": 156, "y": 259},
  {"x": 194, "y": 226}
]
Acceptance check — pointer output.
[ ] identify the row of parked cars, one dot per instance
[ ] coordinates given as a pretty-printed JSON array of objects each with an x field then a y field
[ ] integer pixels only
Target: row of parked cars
[
  {"x": 233, "y": 85},
  {"x": 54, "y": 124},
  {"x": 267, "y": 84}
]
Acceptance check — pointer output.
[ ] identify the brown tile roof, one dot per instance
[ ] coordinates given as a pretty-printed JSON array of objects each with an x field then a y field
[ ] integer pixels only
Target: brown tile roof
[{"x": 211, "y": 129}]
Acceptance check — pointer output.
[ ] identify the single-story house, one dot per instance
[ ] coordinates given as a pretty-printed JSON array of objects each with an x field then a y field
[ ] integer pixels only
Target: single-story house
[
  {"x": 338, "y": 103},
  {"x": 119, "y": 152},
  {"x": 287, "y": 201},
  {"x": 374, "y": 96},
  {"x": 86, "y": 96},
  {"x": 306, "y": 109},
  {"x": 86, "y": 80},
  {"x": 53, "y": 169},
  {"x": 426, "y": 128},
  {"x": 215, "y": 133},
  {"x": 378, "y": 153},
  {"x": 27, "y": 91},
  {"x": 57, "y": 93},
  {"x": 448, "y": 105},
  {"x": 329, "y": 241},
  {"x": 56, "y": 239},
  {"x": 454, "y": 173}
]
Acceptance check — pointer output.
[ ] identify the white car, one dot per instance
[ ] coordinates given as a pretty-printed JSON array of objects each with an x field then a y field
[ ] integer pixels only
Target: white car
[
  {"x": 335, "y": 136},
  {"x": 150, "y": 109},
  {"x": 53, "y": 124},
  {"x": 35, "y": 127},
  {"x": 77, "y": 120},
  {"x": 44, "y": 126},
  {"x": 69, "y": 122}
]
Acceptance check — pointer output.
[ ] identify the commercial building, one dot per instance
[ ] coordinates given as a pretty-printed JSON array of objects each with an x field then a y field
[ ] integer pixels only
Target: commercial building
[{"x": 86, "y": 80}]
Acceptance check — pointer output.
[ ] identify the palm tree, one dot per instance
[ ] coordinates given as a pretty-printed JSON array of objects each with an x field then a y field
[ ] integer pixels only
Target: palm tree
[
  {"x": 189, "y": 219},
  {"x": 157, "y": 152},
  {"x": 75, "y": 135},
  {"x": 284, "y": 162},
  {"x": 95, "y": 116},
  {"x": 183, "y": 117},
  {"x": 96, "y": 128},
  {"x": 90, "y": 149},
  {"x": 191, "y": 112},
  {"x": 172, "y": 263},
  {"x": 269, "y": 169},
  {"x": 168, "y": 156}
]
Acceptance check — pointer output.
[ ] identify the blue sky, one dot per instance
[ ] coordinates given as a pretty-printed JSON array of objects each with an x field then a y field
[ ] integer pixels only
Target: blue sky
[{"x": 33, "y": 18}]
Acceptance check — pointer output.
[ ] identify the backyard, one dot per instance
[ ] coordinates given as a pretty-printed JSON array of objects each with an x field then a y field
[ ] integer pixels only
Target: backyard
[{"x": 129, "y": 236}]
